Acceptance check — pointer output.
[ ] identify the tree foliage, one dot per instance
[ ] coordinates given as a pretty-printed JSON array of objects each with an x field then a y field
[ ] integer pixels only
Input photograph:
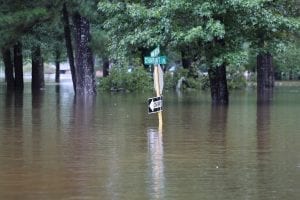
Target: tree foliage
[
  {"x": 198, "y": 23},
  {"x": 212, "y": 33}
]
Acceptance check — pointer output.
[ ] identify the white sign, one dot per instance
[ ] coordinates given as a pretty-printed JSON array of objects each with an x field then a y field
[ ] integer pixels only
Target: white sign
[{"x": 155, "y": 104}]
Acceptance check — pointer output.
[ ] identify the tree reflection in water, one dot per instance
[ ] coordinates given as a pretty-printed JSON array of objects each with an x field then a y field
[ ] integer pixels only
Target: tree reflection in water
[{"x": 263, "y": 124}]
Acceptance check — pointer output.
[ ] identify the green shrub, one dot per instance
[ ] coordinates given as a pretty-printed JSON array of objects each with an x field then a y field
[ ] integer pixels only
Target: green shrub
[
  {"x": 120, "y": 79},
  {"x": 236, "y": 79},
  {"x": 205, "y": 84},
  {"x": 169, "y": 81},
  {"x": 192, "y": 80},
  {"x": 138, "y": 80}
]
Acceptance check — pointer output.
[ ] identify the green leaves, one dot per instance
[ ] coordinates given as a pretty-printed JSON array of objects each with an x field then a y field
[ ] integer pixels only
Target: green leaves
[
  {"x": 205, "y": 9},
  {"x": 194, "y": 34},
  {"x": 213, "y": 29},
  {"x": 121, "y": 80},
  {"x": 217, "y": 29},
  {"x": 22, "y": 17}
]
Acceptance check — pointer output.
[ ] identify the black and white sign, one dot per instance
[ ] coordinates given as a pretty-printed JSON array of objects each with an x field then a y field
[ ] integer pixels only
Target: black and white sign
[{"x": 155, "y": 104}]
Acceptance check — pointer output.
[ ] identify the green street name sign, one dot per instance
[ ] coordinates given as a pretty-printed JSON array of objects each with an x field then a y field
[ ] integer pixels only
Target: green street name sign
[
  {"x": 155, "y": 52},
  {"x": 161, "y": 60}
]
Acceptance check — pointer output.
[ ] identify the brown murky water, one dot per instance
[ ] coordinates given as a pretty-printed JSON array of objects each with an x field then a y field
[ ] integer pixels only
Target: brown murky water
[{"x": 53, "y": 146}]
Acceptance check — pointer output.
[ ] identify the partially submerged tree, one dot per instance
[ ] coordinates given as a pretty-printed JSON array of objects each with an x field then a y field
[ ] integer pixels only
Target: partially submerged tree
[
  {"x": 17, "y": 19},
  {"x": 179, "y": 24},
  {"x": 8, "y": 68},
  {"x": 68, "y": 41},
  {"x": 18, "y": 66},
  {"x": 269, "y": 26},
  {"x": 216, "y": 29},
  {"x": 83, "y": 70},
  {"x": 85, "y": 76},
  {"x": 38, "y": 81},
  {"x": 37, "y": 21}
]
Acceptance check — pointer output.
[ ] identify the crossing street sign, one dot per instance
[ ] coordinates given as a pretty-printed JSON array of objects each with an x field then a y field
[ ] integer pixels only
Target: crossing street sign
[
  {"x": 160, "y": 60},
  {"x": 155, "y": 104},
  {"x": 155, "y": 52}
]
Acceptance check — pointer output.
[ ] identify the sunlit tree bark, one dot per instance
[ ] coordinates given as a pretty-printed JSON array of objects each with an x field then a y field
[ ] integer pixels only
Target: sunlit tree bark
[{"x": 85, "y": 76}]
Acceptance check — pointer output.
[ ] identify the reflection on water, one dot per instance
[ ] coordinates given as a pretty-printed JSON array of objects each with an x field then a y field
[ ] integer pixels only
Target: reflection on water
[
  {"x": 217, "y": 133},
  {"x": 263, "y": 125},
  {"x": 263, "y": 120},
  {"x": 83, "y": 113},
  {"x": 218, "y": 124},
  {"x": 37, "y": 122},
  {"x": 264, "y": 97},
  {"x": 57, "y": 146},
  {"x": 156, "y": 152}
]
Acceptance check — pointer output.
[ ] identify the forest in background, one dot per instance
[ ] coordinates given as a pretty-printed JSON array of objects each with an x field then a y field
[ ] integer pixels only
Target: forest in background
[{"x": 220, "y": 38}]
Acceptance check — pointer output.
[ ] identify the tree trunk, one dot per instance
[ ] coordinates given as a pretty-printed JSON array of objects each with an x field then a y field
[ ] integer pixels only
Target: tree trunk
[
  {"x": 18, "y": 65},
  {"x": 9, "y": 68},
  {"x": 185, "y": 59},
  {"x": 38, "y": 81},
  {"x": 264, "y": 97},
  {"x": 85, "y": 76},
  {"x": 69, "y": 45},
  {"x": 218, "y": 85},
  {"x": 57, "y": 66},
  {"x": 265, "y": 72},
  {"x": 144, "y": 52},
  {"x": 105, "y": 66}
]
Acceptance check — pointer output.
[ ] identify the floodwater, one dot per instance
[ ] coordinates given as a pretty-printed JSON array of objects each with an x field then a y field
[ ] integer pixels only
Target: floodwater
[{"x": 55, "y": 146}]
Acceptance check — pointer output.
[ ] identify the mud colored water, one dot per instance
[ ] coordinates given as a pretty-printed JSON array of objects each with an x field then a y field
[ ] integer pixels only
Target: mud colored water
[{"x": 55, "y": 146}]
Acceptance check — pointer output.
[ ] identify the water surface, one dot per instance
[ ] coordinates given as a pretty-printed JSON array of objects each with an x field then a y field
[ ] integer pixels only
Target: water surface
[{"x": 55, "y": 146}]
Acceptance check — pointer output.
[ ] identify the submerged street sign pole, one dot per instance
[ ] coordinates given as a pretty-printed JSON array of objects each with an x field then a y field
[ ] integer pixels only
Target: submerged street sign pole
[
  {"x": 158, "y": 89},
  {"x": 155, "y": 104}
]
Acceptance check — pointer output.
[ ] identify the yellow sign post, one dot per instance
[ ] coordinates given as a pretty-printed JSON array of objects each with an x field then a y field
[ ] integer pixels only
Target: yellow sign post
[
  {"x": 158, "y": 85},
  {"x": 158, "y": 74}
]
